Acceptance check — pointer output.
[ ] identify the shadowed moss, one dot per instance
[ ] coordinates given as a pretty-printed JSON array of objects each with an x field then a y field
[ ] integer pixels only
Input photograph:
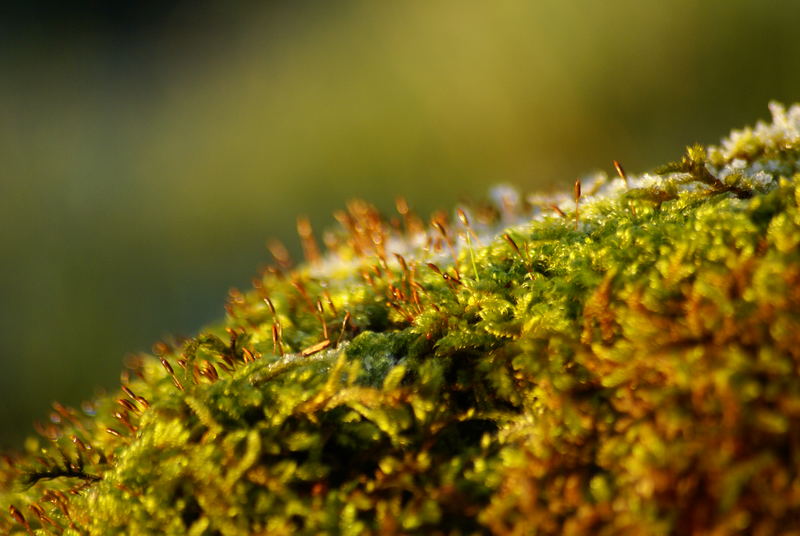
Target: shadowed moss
[{"x": 622, "y": 360}]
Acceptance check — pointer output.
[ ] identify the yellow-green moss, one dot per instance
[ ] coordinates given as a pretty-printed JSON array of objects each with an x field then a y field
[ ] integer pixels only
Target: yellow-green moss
[{"x": 632, "y": 368}]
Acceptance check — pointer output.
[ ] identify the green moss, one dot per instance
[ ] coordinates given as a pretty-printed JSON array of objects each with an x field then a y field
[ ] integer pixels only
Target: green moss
[{"x": 631, "y": 368}]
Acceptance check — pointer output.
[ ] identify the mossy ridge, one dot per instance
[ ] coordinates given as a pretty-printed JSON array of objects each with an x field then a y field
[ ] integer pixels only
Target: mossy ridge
[{"x": 633, "y": 370}]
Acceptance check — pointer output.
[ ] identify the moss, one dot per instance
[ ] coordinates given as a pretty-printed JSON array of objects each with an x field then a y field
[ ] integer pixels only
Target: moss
[{"x": 621, "y": 360}]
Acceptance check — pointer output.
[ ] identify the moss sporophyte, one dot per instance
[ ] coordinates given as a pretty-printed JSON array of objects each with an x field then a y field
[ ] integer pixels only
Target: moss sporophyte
[{"x": 622, "y": 359}]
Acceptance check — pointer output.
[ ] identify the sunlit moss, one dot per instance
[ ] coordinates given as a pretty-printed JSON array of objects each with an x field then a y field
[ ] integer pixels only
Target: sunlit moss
[{"x": 518, "y": 370}]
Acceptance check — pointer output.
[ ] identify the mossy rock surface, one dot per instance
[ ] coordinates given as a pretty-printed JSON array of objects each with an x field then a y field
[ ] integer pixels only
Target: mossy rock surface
[{"x": 519, "y": 368}]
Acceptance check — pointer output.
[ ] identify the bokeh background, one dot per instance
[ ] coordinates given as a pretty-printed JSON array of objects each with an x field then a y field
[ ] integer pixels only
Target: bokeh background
[{"x": 148, "y": 149}]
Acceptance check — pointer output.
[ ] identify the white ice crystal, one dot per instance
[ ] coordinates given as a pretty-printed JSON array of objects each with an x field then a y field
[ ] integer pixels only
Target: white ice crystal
[{"x": 517, "y": 212}]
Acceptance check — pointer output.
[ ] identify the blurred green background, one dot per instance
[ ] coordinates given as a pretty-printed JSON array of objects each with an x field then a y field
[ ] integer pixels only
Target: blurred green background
[{"x": 147, "y": 150}]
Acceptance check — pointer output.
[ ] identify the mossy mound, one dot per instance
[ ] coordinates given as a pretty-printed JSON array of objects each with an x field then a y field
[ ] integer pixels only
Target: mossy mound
[{"x": 631, "y": 367}]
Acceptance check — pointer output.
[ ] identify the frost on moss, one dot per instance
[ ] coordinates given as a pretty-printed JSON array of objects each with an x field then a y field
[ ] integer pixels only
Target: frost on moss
[{"x": 520, "y": 368}]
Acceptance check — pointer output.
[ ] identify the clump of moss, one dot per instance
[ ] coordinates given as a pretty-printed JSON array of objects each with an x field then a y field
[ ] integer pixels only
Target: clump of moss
[{"x": 624, "y": 359}]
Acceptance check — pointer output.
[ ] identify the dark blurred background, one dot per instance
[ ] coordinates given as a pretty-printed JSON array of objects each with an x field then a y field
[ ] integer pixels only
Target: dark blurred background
[{"x": 148, "y": 149}]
